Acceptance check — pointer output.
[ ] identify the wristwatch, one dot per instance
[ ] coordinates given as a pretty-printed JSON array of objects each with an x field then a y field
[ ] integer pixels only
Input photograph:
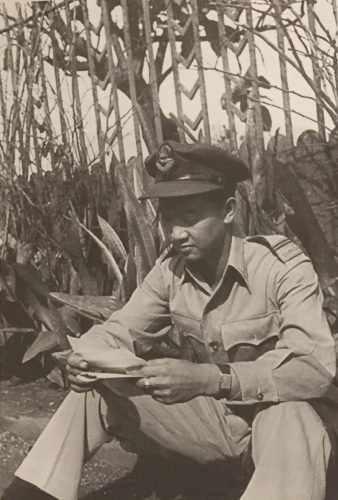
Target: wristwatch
[{"x": 224, "y": 387}]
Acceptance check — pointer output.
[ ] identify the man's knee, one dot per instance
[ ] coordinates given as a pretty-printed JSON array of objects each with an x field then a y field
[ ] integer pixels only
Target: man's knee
[
  {"x": 288, "y": 413},
  {"x": 291, "y": 426}
]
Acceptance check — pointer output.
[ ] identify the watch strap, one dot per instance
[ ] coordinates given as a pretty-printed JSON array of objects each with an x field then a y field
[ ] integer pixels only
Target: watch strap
[{"x": 224, "y": 382}]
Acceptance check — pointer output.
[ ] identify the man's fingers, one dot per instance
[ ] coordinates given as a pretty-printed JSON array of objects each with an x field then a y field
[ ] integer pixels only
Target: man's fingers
[
  {"x": 153, "y": 383},
  {"x": 78, "y": 381},
  {"x": 73, "y": 371},
  {"x": 161, "y": 393},
  {"x": 143, "y": 383},
  {"x": 159, "y": 362},
  {"x": 76, "y": 361},
  {"x": 140, "y": 382},
  {"x": 80, "y": 388},
  {"x": 162, "y": 397},
  {"x": 78, "y": 385},
  {"x": 154, "y": 370}
]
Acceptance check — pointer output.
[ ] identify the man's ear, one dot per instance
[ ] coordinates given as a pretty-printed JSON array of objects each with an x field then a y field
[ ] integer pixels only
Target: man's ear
[{"x": 230, "y": 210}]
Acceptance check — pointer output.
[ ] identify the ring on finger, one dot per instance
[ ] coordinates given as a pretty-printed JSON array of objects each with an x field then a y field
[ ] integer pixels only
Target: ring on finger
[{"x": 147, "y": 385}]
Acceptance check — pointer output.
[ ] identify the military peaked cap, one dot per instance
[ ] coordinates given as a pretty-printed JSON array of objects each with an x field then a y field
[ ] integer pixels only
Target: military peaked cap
[{"x": 187, "y": 169}]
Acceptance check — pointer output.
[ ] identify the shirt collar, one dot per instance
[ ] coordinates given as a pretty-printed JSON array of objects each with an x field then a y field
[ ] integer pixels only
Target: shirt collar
[
  {"x": 236, "y": 261},
  {"x": 236, "y": 258}
]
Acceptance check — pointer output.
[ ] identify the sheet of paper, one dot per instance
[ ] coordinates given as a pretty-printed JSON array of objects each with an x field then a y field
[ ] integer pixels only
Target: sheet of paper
[
  {"x": 94, "y": 376},
  {"x": 113, "y": 361}
]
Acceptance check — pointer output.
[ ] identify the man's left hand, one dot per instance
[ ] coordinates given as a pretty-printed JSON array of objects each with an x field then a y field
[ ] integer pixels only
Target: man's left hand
[{"x": 175, "y": 381}]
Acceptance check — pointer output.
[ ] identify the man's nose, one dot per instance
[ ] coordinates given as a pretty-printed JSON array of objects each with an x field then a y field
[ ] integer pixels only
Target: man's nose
[{"x": 179, "y": 233}]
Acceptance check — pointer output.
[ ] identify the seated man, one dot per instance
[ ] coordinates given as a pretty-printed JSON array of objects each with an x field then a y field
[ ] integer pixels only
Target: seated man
[{"x": 255, "y": 350}]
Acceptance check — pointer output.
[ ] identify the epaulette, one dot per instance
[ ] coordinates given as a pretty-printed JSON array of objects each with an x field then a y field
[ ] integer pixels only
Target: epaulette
[
  {"x": 281, "y": 246},
  {"x": 169, "y": 251}
]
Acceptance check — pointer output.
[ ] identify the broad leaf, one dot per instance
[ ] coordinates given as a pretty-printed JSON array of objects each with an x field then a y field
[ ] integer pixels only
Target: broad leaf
[
  {"x": 90, "y": 306},
  {"x": 74, "y": 248},
  {"x": 32, "y": 278},
  {"x": 263, "y": 82},
  {"x": 130, "y": 273},
  {"x": 266, "y": 117},
  {"x": 138, "y": 224},
  {"x": 48, "y": 316},
  {"x": 112, "y": 240},
  {"x": 110, "y": 258},
  {"x": 45, "y": 341},
  {"x": 70, "y": 319}
]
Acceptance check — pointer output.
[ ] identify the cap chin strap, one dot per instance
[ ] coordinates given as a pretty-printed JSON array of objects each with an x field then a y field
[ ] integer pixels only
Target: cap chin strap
[{"x": 195, "y": 177}]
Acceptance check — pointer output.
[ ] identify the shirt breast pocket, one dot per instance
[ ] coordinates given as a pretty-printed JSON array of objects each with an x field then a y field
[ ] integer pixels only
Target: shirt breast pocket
[
  {"x": 247, "y": 339},
  {"x": 190, "y": 338}
]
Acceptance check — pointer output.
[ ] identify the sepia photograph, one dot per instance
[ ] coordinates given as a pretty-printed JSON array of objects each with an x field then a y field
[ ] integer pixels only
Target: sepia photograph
[{"x": 168, "y": 249}]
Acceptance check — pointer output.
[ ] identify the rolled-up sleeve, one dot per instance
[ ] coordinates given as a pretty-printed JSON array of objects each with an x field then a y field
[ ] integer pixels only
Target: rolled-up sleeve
[
  {"x": 303, "y": 363},
  {"x": 143, "y": 321}
]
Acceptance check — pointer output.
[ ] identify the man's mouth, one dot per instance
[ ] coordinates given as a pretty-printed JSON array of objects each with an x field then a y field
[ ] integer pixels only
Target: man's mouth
[{"x": 185, "y": 247}]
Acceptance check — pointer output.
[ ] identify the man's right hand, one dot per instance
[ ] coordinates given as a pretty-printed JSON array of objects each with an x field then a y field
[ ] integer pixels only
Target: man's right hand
[{"x": 75, "y": 366}]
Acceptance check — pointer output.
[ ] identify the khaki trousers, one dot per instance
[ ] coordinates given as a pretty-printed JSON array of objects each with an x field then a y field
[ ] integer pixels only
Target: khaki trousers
[{"x": 290, "y": 446}]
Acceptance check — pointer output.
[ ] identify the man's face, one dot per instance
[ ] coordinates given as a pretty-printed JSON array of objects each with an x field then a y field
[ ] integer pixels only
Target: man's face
[{"x": 194, "y": 225}]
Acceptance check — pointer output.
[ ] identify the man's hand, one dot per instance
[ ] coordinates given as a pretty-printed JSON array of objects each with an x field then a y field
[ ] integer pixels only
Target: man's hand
[
  {"x": 75, "y": 366},
  {"x": 176, "y": 380}
]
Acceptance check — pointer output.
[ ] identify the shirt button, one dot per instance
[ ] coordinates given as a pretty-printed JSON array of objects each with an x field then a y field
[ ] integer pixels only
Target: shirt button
[
  {"x": 260, "y": 395},
  {"x": 214, "y": 346}
]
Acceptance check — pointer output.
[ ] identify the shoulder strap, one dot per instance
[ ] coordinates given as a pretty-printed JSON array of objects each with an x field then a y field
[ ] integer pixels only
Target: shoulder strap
[{"x": 280, "y": 245}]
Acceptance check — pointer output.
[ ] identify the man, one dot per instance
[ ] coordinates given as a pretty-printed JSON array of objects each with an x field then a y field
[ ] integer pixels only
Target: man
[{"x": 254, "y": 349}]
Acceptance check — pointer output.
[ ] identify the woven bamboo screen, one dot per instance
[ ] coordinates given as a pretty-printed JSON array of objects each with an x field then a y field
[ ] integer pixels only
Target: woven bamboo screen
[{"x": 73, "y": 90}]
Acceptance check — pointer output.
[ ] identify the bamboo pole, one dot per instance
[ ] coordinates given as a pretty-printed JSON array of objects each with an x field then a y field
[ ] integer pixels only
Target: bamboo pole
[
  {"x": 201, "y": 79},
  {"x": 133, "y": 93},
  {"x": 284, "y": 77},
  {"x": 227, "y": 83},
  {"x": 16, "y": 128},
  {"x": 315, "y": 68},
  {"x": 47, "y": 117},
  {"x": 176, "y": 76},
  {"x": 59, "y": 93},
  {"x": 5, "y": 127},
  {"x": 335, "y": 62},
  {"x": 255, "y": 89},
  {"x": 78, "y": 119},
  {"x": 93, "y": 78},
  {"x": 325, "y": 100},
  {"x": 112, "y": 75},
  {"x": 29, "y": 53},
  {"x": 28, "y": 108},
  {"x": 4, "y": 247},
  {"x": 152, "y": 72}
]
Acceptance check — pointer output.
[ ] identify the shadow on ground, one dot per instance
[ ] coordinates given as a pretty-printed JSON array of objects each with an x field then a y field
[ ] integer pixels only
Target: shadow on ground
[{"x": 158, "y": 479}]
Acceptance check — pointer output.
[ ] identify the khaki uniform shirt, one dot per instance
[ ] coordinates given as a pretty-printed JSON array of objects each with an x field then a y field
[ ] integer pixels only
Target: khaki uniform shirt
[{"x": 264, "y": 318}]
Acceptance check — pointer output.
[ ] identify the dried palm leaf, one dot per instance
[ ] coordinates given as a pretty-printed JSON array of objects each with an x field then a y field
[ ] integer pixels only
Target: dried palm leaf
[
  {"x": 90, "y": 306},
  {"x": 112, "y": 240},
  {"x": 107, "y": 253},
  {"x": 138, "y": 225}
]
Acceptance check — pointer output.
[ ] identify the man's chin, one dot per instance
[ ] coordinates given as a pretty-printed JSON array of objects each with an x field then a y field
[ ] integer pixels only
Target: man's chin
[{"x": 190, "y": 258}]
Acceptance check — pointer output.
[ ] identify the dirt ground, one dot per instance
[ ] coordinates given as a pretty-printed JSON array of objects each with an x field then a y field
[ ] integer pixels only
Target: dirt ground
[{"x": 113, "y": 473}]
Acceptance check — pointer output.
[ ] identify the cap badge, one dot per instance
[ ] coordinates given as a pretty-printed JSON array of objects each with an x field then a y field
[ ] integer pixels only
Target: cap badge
[{"x": 165, "y": 161}]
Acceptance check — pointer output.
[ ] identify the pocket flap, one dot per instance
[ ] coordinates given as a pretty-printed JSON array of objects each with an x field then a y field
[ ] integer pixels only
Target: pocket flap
[{"x": 253, "y": 331}]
